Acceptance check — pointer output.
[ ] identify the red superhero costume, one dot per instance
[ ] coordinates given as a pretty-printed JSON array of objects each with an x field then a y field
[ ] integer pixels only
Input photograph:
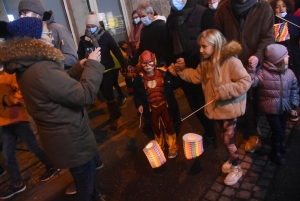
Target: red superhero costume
[{"x": 161, "y": 121}]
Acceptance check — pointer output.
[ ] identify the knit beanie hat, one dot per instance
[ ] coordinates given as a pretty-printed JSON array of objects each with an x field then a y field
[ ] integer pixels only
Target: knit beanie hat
[
  {"x": 26, "y": 27},
  {"x": 92, "y": 19},
  {"x": 275, "y": 53},
  {"x": 32, "y": 5}
]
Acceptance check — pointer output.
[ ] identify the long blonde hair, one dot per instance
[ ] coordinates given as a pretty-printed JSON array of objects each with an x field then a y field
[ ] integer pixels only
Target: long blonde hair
[{"x": 210, "y": 67}]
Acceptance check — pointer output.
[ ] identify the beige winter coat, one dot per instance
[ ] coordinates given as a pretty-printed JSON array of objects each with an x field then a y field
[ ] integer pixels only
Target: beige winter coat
[{"x": 235, "y": 83}]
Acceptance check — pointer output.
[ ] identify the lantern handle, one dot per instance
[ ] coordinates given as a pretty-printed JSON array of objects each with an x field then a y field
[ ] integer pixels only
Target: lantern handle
[{"x": 182, "y": 119}]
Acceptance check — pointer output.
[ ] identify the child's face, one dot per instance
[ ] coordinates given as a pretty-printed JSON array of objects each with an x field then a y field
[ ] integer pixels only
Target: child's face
[
  {"x": 286, "y": 60},
  {"x": 280, "y": 7},
  {"x": 148, "y": 67},
  {"x": 206, "y": 49}
]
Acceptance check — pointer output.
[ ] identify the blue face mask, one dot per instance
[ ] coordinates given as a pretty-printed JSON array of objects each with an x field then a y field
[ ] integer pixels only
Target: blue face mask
[
  {"x": 177, "y": 4},
  {"x": 136, "y": 20},
  {"x": 146, "y": 21},
  {"x": 92, "y": 30}
]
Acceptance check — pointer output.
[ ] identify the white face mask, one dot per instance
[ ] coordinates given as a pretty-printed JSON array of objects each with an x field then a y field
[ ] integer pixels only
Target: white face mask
[
  {"x": 146, "y": 21},
  {"x": 282, "y": 14},
  {"x": 177, "y": 4},
  {"x": 136, "y": 20},
  {"x": 213, "y": 6}
]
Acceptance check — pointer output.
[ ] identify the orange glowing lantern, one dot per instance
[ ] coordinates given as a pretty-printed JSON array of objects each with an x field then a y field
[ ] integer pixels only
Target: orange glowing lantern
[
  {"x": 154, "y": 154},
  {"x": 192, "y": 145}
]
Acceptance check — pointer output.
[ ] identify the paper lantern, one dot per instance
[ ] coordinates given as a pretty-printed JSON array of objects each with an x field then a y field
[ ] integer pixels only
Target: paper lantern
[
  {"x": 154, "y": 154},
  {"x": 192, "y": 145}
]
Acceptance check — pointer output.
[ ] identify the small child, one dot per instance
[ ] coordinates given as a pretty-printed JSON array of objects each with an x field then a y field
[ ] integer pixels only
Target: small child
[
  {"x": 149, "y": 91},
  {"x": 278, "y": 95},
  {"x": 226, "y": 81}
]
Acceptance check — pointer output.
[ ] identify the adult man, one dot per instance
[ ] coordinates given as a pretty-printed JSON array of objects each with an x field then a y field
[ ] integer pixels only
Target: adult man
[
  {"x": 185, "y": 22},
  {"x": 62, "y": 37},
  {"x": 250, "y": 22}
]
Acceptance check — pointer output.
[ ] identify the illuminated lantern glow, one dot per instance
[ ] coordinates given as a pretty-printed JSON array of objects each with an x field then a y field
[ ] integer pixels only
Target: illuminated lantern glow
[
  {"x": 154, "y": 154},
  {"x": 192, "y": 145}
]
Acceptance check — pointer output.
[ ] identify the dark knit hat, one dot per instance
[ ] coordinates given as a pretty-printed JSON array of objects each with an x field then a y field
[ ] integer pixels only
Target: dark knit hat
[
  {"x": 275, "y": 53},
  {"x": 26, "y": 26},
  {"x": 32, "y": 5}
]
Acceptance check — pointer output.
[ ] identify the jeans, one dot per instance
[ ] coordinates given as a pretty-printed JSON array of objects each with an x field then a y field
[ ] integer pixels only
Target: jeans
[
  {"x": 278, "y": 125},
  {"x": 249, "y": 116},
  {"x": 85, "y": 181},
  {"x": 10, "y": 135}
]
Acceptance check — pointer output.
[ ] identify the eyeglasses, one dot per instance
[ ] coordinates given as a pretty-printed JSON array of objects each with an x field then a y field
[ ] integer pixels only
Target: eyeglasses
[
  {"x": 150, "y": 63},
  {"x": 49, "y": 33}
]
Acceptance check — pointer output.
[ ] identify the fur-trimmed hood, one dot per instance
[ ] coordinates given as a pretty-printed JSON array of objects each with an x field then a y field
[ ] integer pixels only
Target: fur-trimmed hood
[
  {"x": 231, "y": 49},
  {"x": 18, "y": 54}
]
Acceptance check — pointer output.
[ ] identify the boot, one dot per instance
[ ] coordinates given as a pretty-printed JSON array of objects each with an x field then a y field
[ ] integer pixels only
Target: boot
[
  {"x": 275, "y": 155},
  {"x": 114, "y": 113},
  {"x": 283, "y": 147}
]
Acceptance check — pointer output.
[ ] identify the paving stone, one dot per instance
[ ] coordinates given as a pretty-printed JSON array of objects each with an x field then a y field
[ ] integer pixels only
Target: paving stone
[
  {"x": 244, "y": 171},
  {"x": 245, "y": 165},
  {"x": 243, "y": 194},
  {"x": 256, "y": 168},
  {"x": 241, "y": 156},
  {"x": 248, "y": 159},
  {"x": 236, "y": 185},
  {"x": 251, "y": 180},
  {"x": 260, "y": 194},
  {"x": 252, "y": 174},
  {"x": 258, "y": 188},
  {"x": 247, "y": 186},
  {"x": 271, "y": 167},
  {"x": 264, "y": 182},
  {"x": 253, "y": 200},
  {"x": 268, "y": 174},
  {"x": 260, "y": 162},
  {"x": 241, "y": 151},
  {"x": 217, "y": 187},
  {"x": 212, "y": 195},
  {"x": 220, "y": 179},
  {"x": 242, "y": 146},
  {"x": 228, "y": 191},
  {"x": 223, "y": 198}
]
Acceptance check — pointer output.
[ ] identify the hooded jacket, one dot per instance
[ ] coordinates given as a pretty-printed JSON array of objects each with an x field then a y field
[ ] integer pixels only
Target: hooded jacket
[
  {"x": 277, "y": 90},
  {"x": 55, "y": 99},
  {"x": 257, "y": 32},
  {"x": 235, "y": 83},
  {"x": 12, "y": 109},
  {"x": 62, "y": 39}
]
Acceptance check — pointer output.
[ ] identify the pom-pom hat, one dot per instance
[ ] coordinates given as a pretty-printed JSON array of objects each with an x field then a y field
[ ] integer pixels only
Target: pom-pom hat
[{"x": 26, "y": 27}]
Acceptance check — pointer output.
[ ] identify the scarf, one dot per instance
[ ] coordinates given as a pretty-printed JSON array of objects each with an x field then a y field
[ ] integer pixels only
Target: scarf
[
  {"x": 178, "y": 29},
  {"x": 95, "y": 37},
  {"x": 239, "y": 8}
]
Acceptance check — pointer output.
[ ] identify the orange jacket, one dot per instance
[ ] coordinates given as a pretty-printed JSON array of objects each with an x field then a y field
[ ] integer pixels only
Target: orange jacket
[{"x": 12, "y": 107}]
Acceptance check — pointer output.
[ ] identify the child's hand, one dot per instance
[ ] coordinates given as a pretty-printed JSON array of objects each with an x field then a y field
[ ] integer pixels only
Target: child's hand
[
  {"x": 253, "y": 61},
  {"x": 216, "y": 96},
  {"x": 171, "y": 69},
  {"x": 141, "y": 109}
]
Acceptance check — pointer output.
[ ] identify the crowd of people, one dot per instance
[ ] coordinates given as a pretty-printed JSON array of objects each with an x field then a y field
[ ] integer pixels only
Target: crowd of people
[{"x": 240, "y": 57}]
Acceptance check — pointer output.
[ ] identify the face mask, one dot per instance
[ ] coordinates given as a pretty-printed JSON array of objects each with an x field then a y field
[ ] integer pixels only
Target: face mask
[
  {"x": 146, "y": 21},
  {"x": 282, "y": 14},
  {"x": 177, "y": 4},
  {"x": 213, "y": 6},
  {"x": 92, "y": 30},
  {"x": 136, "y": 20}
]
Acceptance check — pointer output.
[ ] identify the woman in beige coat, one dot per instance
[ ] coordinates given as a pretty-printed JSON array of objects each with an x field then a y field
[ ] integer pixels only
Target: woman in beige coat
[{"x": 225, "y": 82}]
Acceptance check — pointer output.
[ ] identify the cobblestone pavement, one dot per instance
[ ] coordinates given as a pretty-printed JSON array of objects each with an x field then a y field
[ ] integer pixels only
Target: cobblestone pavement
[{"x": 127, "y": 174}]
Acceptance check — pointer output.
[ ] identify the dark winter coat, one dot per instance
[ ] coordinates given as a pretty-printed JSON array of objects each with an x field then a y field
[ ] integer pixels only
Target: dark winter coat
[
  {"x": 277, "y": 91},
  {"x": 199, "y": 20},
  {"x": 63, "y": 41},
  {"x": 107, "y": 44},
  {"x": 153, "y": 38},
  {"x": 257, "y": 32},
  {"x": 55, "y": 99}
]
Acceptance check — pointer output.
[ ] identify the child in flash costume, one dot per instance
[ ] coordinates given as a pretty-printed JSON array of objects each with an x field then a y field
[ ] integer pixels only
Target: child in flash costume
[{"x": 149, "y": 89}]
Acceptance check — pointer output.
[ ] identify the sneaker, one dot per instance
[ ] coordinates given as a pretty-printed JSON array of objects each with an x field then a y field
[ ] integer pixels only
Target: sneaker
[
  {"x": 233, "y": 176},
  {"x": 294, "y": 115},
  {"x": 172, "y": 155},
  {"x": 122, "y": 101},
  {"x": 98, "y": 165},
  {"x": 71, "y": 190},
  {"x": 226, "y": 167},
  {"x": 12, "y": 190},
  {"x": 50, "y": 172},
  {"x": 251, "y": 144}
]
